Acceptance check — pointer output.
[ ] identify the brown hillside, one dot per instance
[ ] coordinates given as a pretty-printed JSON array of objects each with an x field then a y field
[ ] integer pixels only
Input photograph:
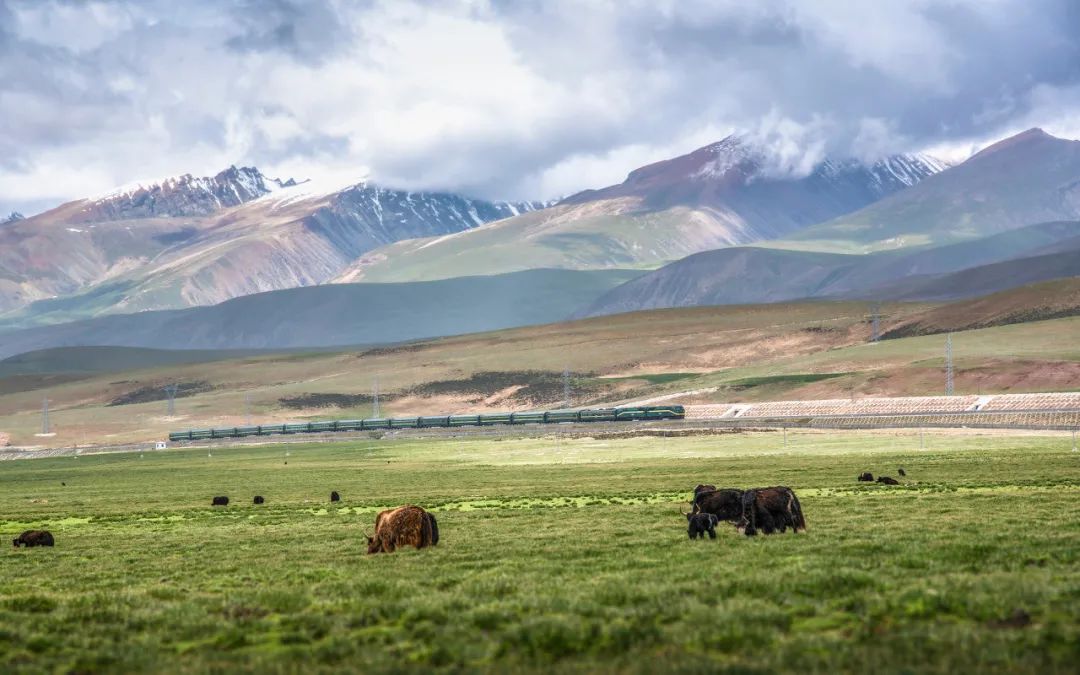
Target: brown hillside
[{"x": 1035, "y": 302}]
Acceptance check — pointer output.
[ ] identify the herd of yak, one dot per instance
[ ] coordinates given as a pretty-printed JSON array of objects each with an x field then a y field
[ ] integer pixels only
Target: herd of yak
[
  {"x": 767, "y": 510},
  {"x": 402, "y": 526}
]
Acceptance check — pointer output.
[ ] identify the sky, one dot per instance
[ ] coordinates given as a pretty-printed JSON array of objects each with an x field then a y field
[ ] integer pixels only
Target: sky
[{"x": 509, "y": 99}]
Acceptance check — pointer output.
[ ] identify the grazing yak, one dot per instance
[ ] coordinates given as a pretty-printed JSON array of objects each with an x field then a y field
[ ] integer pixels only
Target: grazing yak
[
  {"x": 901, "y": 471},
  {"x": 725, "y": 504},
  {"x": 866, "y": 477},
  {"x": 770, "y": 510},
  {"x": 220, "y": 501},
  {"x": 33, "y": 538},
  {"x": 335, "y": 497},
  {"x": 259, "y": 499},
  {"x": 403, "y": 526},
  {"x": 697, "y": 524},
  {"x": 887, "y": 480}
]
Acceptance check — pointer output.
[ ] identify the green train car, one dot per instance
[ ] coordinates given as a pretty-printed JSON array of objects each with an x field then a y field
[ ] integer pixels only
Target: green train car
[{"x": 629, "y": 414}]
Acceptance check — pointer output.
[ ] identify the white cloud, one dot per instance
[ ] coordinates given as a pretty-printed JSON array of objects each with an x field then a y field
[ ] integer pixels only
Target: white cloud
[{"x": 508, "y": 99}]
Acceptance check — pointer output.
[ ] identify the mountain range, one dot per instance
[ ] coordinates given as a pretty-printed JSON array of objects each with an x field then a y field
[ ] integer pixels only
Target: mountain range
[
  {"x": 719, "y": 195},
  {"x": 199, "y": 241},
  {"x": 243, "y": 261}
]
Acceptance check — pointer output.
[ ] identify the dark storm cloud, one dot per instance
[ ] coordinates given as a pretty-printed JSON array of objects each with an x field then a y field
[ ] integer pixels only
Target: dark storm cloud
[
  {"x": 508, "y": 99},
  {"x": 307, "y": 30}
]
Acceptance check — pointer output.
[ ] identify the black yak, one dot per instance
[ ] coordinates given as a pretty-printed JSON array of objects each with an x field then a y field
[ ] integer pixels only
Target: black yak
[
  {"x": 403, "y": 526},
  {"x": 725, "y": 504},
  {"x": 887, "y": 480},
  {"x": 866, "y": 477},
  {"x": 697, "y": 524},
  {"x": 335, "y": 497},
  {"x": 259, "y": 499},
  {"x": 770, "y": 510},
  {"x": 220, "y": 501},
  {"x": 33, "y": 538},
  {"x": 901, "y": 471},
  {"x": 702, "y": 489}
]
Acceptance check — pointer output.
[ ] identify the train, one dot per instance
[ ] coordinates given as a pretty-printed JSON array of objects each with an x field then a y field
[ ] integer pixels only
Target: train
[{"x": 628, "y": 414}]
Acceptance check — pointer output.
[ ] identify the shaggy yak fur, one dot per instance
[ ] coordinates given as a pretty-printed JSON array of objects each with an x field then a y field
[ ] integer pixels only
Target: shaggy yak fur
[
  {"x": 725, "y": 504},
  {"x": 697, "y": 524},
  {"x": 33, "y": 538},
  {"x": 770, "y": 510},
  {"x": 259, "y": 499},
  {"x": 220, "y": 501},
  {"x": 866, "y": 477},
  {"x": 335, "y": 497},
  {"x": 403, "y": 526},
  {"x": 887, "y": 480}
]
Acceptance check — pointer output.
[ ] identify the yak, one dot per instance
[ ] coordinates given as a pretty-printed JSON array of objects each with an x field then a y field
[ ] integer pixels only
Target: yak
[
  {"x": 697, "y": 524},
  {"x": 335, "y": 497},
  {"x": 33, "y": 538},
  {"x": 770, "y": 510},
  {"x": 259, "y": 499},
  {"x": 901, "y": 471},
  {"x": 403, "y": 526},
  {"x": 220, "y": 501},
  {"x": 866, "y": 477},
  {"x": 725, "y": 504},
  {"x": 887, "y": 480}
]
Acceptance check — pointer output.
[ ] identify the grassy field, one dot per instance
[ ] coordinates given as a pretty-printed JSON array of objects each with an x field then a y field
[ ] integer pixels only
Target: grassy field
[{"x": 557, "y": 555}]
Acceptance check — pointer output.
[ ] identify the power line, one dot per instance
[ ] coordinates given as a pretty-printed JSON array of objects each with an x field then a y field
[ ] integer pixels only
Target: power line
[
  {"x": 566, "y": 387},
  {"x": 171, "y": 390},
  {"x": 45, "y": 429},
  {"x": 948, "y": 365},
  {"x": 375, "y": 398}
]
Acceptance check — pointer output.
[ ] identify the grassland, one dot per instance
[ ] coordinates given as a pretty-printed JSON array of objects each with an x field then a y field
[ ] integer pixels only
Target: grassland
[{"x": 557, "y": 555}]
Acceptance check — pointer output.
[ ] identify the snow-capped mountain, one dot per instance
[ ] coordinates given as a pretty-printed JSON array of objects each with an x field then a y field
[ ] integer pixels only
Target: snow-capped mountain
[
  {"x": 723, "y": 194},
  {"x": 180, "y": 196},
  {"x": 188, "y": 240},
  {"x": 734, "y": 174},
  {"x": 12, "y": 217}
]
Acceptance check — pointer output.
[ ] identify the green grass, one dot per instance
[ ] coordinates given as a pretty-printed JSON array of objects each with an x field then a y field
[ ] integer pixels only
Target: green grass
[
  {"x": 794, "y": 379},
  {"x": 556, "y": 555},
  {"x": 658, "y": 378}
]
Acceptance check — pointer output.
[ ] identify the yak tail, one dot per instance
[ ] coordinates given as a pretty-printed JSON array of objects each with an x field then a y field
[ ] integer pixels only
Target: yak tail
[
  {"x": 799, "y": 521},
  {"x": 433, "y": 525}
]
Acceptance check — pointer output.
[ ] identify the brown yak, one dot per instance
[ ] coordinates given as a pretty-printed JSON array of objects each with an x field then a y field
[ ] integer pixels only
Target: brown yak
[
  {"x": 403, "y": 526},
  {"x": 33, "y": 538}
]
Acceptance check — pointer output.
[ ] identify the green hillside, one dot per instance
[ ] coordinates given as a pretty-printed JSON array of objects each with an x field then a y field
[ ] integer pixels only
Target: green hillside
[{"x": 340, "y": 314}]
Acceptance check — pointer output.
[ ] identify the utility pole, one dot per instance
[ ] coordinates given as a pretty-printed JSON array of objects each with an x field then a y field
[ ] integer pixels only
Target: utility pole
[
  {"x": 247, "y": 407},
  {"x": 171, "y": 390},
  {"x": 948, "y": 365},
  {"x": 566, "y": 387},
  {"x": 375, "y": 398},
  {"x": 45, "y": 429},
  {"x": 875, "y": 322}
]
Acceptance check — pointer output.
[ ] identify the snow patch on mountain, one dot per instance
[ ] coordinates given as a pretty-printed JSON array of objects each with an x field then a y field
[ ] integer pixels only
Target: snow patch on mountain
[{"x": 726, "y": 155}]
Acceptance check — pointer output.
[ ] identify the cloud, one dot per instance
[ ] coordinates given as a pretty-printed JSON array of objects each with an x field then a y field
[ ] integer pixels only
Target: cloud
[{"x": 508, "y": 99}]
